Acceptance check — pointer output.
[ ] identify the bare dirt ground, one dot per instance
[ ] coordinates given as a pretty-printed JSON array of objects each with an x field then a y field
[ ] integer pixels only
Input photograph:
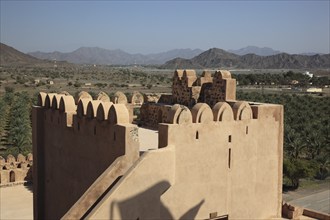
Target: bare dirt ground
[{"x": 16, "y": 202}]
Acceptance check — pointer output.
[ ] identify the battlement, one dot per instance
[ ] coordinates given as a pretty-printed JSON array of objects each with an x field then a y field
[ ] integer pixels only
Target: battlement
[
  {"x": 63, "y": 106},
  {"x": 75, "y": 136},
  {"x": 206, "y": 97},
  {"x": 188, "y": 89},
  {"x": 15, "y": 169}
]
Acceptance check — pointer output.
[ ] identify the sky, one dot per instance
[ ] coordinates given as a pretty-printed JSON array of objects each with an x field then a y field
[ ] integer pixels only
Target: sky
[{"x": 158, "y": 26}]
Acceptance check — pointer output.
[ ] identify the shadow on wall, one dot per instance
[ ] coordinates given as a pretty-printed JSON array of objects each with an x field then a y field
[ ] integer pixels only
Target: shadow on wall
[{"x": 148, "y": 205}]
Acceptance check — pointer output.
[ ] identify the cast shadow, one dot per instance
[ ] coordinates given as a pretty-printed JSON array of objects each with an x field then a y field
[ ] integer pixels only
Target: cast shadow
[{"x": 148, "y": 205}]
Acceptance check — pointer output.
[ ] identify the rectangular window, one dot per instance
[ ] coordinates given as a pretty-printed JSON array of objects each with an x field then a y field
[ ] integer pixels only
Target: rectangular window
[
  {"x": 229, "y": 138},
  {"x": 229, "y": 158}
]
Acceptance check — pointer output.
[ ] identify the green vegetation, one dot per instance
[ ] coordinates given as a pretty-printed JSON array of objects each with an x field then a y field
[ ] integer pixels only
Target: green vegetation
[
  {"x": 288, "y": 78},
  {"x": 15, "y": 123},
  {"x": 306, "y": 135}
]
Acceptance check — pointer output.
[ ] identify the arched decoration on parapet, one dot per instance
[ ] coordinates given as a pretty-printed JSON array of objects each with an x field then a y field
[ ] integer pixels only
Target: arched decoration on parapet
[
  {"x": 2, "y": 161},
  {"x": 67, "y": 104},
  {"x": 242, "y": 111},
  {"x": 189, "y": 73},
  {"x": 118, "y": 114},
  {"x": 83, "y": 95},
  {"x": 41, "y": 98},
  {"x": 190, "y": 77},
  {"x": 102, "y": 96},
  {"x": 137, "y": 99},
  {"x": 82, "y": 107},
  {"x": 202, "y": 113},
  {"x": 222, "y": 112},
  {"x": 56, "y": 101},
  {"x": 10, "y": 159},
  {"x": 49, "y": 100},
  {"x": 179, "y": 114},
  {"x": 29, "y": 157},
  {"x": 206, "y": 73},
  {"x": 21, "y": 158},
  {"x": 178, "y": 73},
  {"x": 222, "y": 74},
  {"x": 64, "y": 93},
  {"x": 103, "y": 111},
  {"x": 92, "y": 108},
  {"x": 119, "y": 98}
]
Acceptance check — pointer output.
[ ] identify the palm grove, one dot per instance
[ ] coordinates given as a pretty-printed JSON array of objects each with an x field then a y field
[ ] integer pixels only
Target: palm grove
[{"x": 306, "y": 136}]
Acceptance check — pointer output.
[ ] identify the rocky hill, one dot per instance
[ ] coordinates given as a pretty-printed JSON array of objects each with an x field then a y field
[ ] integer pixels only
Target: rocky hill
[
  {"x": 218, "y": 58},
  {"x": 11, "y": 56},
  {"x": 96, "y": 55},
  {"x": 260, "y": 51}
]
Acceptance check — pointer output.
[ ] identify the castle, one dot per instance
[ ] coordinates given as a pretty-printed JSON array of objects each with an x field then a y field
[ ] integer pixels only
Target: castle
[{"x": 217, "y": 157}]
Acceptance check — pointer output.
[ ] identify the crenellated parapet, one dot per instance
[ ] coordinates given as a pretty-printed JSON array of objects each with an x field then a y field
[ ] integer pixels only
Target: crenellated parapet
[
  {"x": 15, "y": 169},
  {"x": 154, "y": 113},
  {"x": 203, "y": 113},
  {"x": 99, "y": 110},
  {"x": 188, "y": 89},
  {"x": 79, "y": 138},
  {"x": 215, "y": 92}
]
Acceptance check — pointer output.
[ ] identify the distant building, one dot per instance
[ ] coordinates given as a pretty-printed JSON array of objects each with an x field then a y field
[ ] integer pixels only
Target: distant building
[
  {"x": 314, "y": 90},
  {"x": 294, "y": 82},
  {"x": 308, "y": 74}
]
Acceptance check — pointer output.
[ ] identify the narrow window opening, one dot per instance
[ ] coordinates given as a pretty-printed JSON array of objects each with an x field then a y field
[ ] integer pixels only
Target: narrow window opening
[
  {"x": 95, "y": 130},
  {"x": 247, "y": 130},
  {"x": 78, "y": 126},
  {"x": 229, "y": 138},
  {"x": 58, "y": 121},
  {"x": 229, "y": 158},
  {"x": 197, "y": 135}
]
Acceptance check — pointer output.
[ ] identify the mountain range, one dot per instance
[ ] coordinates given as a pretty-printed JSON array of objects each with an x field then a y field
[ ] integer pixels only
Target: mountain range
[
  {"x": 96, "y": 55},
  {"x": 212, "y": 58},
  {"x": 218, "y": 58}
]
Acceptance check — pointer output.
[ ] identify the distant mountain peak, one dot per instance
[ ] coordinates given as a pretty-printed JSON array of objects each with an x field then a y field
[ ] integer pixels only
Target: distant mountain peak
[
  {"x": 9, "y": 56},
  {"x": 217, "y": 58},
  {"x": 260, "y": 51},
  {"x": 97, "y": 55}
]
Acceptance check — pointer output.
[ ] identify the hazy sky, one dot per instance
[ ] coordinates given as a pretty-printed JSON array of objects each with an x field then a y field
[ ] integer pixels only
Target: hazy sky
[{"x": 156, "y": 26}]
